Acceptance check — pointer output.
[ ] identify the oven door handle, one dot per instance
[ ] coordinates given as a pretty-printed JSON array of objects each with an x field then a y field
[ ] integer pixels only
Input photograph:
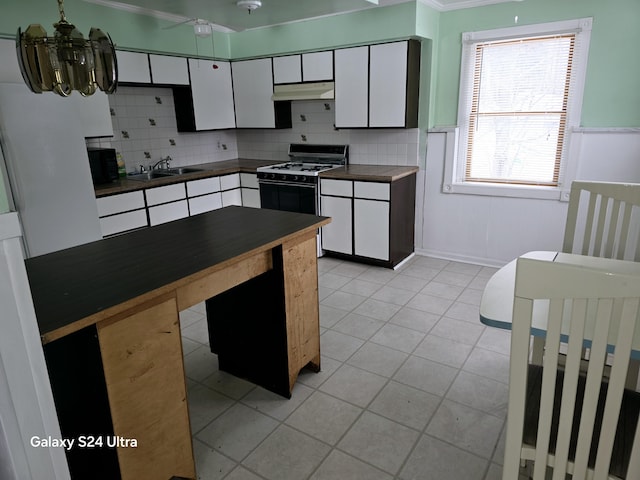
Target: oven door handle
[{"x": 291, "y": 184}]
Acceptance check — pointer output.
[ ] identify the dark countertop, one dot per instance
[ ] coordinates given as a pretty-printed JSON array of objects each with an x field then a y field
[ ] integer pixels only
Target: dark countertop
[
  {"x": 375, "y": 173},
  {"x": 70, "y": 285},
  {"x": 208, "y": 170}
]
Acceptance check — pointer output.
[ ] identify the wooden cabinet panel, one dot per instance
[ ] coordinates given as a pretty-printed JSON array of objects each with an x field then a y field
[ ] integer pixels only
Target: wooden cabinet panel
[
  {"x": 352, "y": 87},
  {"x": 133, "y": 67},
  {"x": 167, "y": 70},
  {"x": 143, "y": 368}
]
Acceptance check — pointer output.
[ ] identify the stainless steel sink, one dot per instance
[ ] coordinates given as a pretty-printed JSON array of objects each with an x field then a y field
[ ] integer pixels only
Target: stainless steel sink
[
  {"x": 145, "y": 177},
  {"x": 183, "y": 170}
]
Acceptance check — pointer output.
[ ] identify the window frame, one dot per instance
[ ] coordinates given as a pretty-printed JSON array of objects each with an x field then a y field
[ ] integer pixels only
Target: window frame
[{"x": 455, "y": 161}]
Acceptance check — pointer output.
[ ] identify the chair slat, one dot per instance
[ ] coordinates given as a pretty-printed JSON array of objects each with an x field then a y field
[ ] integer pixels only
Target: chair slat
[
  {"x": 624, "y": 230},
  {"x": 588, "y": 227},
  {"x": 600, "y": 224},
  {"x": 612, "y": 227}
]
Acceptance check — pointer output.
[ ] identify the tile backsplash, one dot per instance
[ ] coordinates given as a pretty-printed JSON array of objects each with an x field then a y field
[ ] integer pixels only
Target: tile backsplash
[{"x": 145, "y": 131}]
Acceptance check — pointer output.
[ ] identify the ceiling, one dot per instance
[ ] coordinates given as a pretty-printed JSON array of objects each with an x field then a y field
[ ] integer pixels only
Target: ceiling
[{"x": 226, "y": 13}]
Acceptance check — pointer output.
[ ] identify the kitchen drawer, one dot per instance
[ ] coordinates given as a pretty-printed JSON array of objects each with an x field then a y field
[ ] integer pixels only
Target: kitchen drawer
[
  {"x": 168, "y": 212},
  {"x": 205, "y": 203},
  {"x": 338, "y": 188},
  {"x": 203, "y": 186},
  {"x": 229, "y": 182},
  {"x": 123, "y": 222},
  {"x": 372, "y": 190},
  {"x": 120, "y": 203},
  {"x": 249, "y": 180},
  {"x": 168, "y": 193}
]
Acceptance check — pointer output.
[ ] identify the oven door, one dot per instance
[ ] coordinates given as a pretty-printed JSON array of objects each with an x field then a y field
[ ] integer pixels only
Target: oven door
[{"x": 292, "y": 197}]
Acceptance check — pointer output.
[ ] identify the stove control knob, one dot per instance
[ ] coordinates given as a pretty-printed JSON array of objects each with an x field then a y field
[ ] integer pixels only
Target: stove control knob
[
  {"x": 272, "y": 176},
  {"x": 295, "y": 178}
]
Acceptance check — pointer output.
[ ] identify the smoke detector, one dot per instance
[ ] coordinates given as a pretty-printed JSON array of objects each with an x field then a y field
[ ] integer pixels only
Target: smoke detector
[{"x": 250, "y": 5}]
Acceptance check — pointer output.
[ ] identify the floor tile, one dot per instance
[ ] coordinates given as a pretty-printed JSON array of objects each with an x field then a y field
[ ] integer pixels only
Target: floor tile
[
  {"x": 287, "y": 454},
  {"x": 458, "y": 330},
  {"x": 237, "y": 431},
  {"x": 350, "y": 269},
  {"x": 464, "y": 311},
  {"x": 354, "y": 385},
  {"x": 209, "y": 463},
  {"x": 228, "y": 384},
  {"x": 443, "y": 350},
  {"x": 489, "y": 364},
  {"x": 406, "y": 405},
  {"x": 329, "y": 316},
  {"x": 378, "y": 275},
  {"x": 481, "y": 393},
  {"x": 361, "y": 287},
  {"x": 419, "y": 271},
  {"x": 343, "y": 300},
  {"x": 444, "y": 290},
  {"x": 426, "y": 375},
  {"x": 276, "y": 405},
  {"x": 472, "y": 430},
  {"x": 394, "y": 295},
  {"x": 496, "y": 340},
  {"x": 379, "y": 441},
  {"x": 315, "y": 379},
  {"x": 377, "y": 359},
  {"x": 430, "y": 303},
  {"x": 377, "y": 309},
  {"x": 239, "y": 473},
  {"x": 338, "y": 346},
  {"x": 339, "y": 465},
  {"x": 471, "y": 296},
  {"x": 189, "y": 345},
  {"x": 324, "y": 417},
  {"x": 453, "y": 278},
  {"x": 200, "y": 363},
  {"x": 189, "y": 317},
  {"x": 407, "y": 282},
  {"x": 435, "y": 263},
  {"x": 358, "y": 326},
  {"x": 415, "y": 319},
  {"x": 464, "y": 268},
  {"x": 433, "y": 459},
  {"x": 198, "y": 331},
  {"x": 205, "y": 405},
  {"x": 332, "y": 280},
  {"x": 397, "y": 337}
]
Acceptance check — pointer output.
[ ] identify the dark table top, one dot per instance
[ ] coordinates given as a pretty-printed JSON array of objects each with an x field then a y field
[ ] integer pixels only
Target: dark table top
[{"x": 75, "y": 283}]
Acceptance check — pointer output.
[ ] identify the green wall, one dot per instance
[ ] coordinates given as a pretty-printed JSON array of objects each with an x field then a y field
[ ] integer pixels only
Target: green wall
[{"x": 611, "y": 96}]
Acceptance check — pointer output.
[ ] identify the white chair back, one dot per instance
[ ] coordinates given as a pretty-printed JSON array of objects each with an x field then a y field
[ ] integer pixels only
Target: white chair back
[
  {"x": 603, "y": 220},
  {"x": 570, "y": 422}
]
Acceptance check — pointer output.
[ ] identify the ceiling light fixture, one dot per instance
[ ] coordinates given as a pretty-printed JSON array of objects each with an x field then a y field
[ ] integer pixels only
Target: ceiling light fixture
[
  {"x": 250, "y": 5},
  {"x": 202, "y": 28},
  {"x": 66, "y": 61}
]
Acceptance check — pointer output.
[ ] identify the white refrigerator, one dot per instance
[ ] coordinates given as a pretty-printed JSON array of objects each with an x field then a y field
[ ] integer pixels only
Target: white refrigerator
[{"x": 42, "y": 138}]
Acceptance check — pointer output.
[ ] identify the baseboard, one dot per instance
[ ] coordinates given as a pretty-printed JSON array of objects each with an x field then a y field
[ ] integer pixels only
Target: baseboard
[{"x": 454, "y": 257}]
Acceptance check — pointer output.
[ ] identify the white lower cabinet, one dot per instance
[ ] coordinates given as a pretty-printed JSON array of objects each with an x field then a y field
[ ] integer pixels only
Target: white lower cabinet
[
  {"x": 122, "y": 212},
  {"x": 337, "y": 236},
  {"x": 250, "y": 197},
  {"x": 168, "y": 212},
  {"x": 232, "y": 197},
  {"x": 371, "y": 228},
  {"x": 205, "y": 203}
]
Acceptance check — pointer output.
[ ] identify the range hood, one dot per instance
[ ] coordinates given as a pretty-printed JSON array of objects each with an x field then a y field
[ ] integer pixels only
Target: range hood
[{"x": 304, "y": 91}]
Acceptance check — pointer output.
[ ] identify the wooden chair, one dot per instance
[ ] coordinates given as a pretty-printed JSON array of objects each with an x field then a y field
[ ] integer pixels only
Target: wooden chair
[
  {"x": 560, "y": 419},
  {"x": 603, "y": 220}
]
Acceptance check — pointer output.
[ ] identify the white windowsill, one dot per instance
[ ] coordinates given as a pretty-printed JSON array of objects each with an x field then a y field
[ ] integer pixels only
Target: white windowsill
[{"x": 500, "y": 190}]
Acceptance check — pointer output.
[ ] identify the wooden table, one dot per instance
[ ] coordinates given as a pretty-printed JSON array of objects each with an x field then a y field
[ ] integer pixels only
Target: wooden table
[
  {"x": 108, "y": 316},
  {"x": 496, "y": 305}
]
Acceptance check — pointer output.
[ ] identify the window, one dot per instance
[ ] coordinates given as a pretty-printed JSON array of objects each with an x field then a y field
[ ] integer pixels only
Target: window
[{"x": 520, "y": 95}]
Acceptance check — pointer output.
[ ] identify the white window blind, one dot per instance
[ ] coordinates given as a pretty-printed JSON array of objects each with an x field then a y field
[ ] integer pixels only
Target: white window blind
[
  {"x": 520, "y": 96},
  {"x": 519, "y": 109}
]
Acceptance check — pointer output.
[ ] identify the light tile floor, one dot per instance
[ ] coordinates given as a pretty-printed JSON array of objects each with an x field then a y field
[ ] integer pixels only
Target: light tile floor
[{"x": 412, "y": 385}]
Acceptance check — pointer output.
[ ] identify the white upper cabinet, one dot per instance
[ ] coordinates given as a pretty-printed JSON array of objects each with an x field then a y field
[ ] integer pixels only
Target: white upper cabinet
[
  {"x": 352, "y": 87},
  {"x": 212, "y": 93},
  {"x": 388, "y": 85},
  {"x": 133, "y": 67},
  {"x": 252, "y": 88},
  {"x": 169, "y": 70},
  {"x": 287, "y": 69},
  {"x": 317, "y": 66}
]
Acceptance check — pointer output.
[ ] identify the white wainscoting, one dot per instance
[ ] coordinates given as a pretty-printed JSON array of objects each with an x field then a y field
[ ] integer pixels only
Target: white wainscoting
[
  {"x": 494, "y": 230},
  {"x": 26, "y": 402}
]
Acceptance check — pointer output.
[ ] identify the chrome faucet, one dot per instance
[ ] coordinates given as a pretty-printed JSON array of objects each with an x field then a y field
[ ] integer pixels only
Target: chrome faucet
[{"x": 161, "y": 161}]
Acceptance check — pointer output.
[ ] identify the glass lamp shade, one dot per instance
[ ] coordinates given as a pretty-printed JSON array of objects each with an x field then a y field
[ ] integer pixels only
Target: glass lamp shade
[{"x": 67, "y": 61}]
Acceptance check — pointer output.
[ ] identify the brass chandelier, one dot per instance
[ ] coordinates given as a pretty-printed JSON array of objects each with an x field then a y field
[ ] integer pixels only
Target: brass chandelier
[{"x": 66, "y": 61}]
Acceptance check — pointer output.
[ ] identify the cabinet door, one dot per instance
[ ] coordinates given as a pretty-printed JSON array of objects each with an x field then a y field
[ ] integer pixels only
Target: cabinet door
[
  {"x": 212, "y": 94},
  {"x": 165, "y": 194},
  {"x": 203, "y": 186},
  {"x": 352, "y": 86},
  {"x": 337, "y": 236},
  {"x": 287, "y": 69},
  {"x": 249, "y": 180},
  {"x": 371, "y": 228},
  {"x": 252, "y": 88},
  {"x": 168, "y": 70},
  {"x": 250, "y": 197},
  {"x": 94, "y": 115},
  {"x": 388, "y": 85},
  {"x": 228, "y": 182},
  {"x": 133, "y": 67},
  {"x": 168, "y": 212},
  {"x": 317, "y": 66},
  {"x": 120, "y": 203},
  {"x": 205, "y": 203},
  {"x": 123, "y": 222},
  {"x": 232, "y": 197}
]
